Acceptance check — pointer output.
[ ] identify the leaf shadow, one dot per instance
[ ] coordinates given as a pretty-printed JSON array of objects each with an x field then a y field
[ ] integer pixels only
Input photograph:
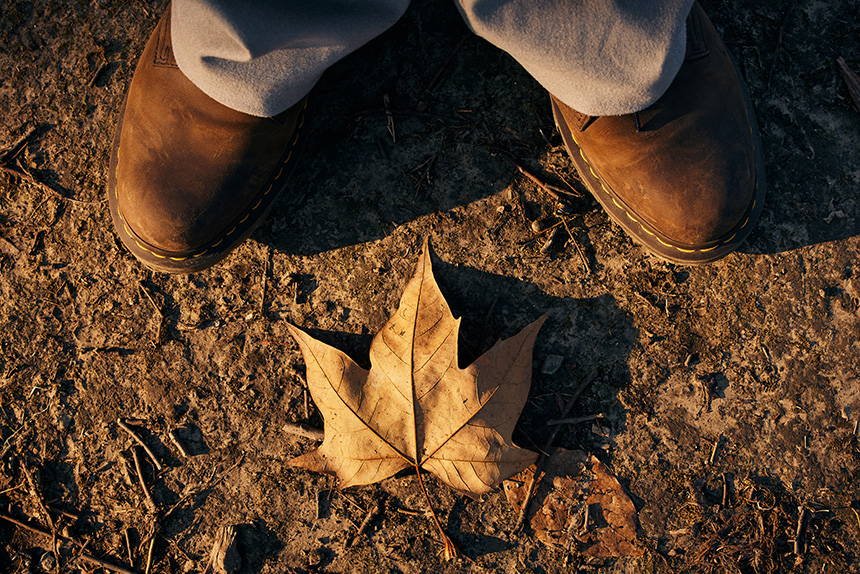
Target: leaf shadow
[
  {"x": 594, "y": 337},
  {"x": 355, "y": 182},
  {"x": 256, "y": 542}
]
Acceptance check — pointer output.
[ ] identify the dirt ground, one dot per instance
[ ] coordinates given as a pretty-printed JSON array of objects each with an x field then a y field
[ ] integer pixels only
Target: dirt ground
[{"x": 757, "y": 354}]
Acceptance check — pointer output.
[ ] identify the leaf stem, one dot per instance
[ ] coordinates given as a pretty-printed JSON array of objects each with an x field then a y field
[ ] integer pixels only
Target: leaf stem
[{"x": 451, "y": 551}]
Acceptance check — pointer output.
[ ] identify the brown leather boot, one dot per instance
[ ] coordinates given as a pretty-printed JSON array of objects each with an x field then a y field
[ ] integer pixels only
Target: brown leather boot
[
  {"x": 190, "y": 178},
  {"x": 684, "y": 177}
]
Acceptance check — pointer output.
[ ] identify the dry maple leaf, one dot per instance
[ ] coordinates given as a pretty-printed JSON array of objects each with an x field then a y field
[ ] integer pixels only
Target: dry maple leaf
[
  {"x": 416, "y": 407},
  {"x": 578, "y": 500}
]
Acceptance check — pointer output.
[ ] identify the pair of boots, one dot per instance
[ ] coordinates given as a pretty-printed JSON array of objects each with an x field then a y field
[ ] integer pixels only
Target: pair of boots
[{"x": 190, "y": 178}]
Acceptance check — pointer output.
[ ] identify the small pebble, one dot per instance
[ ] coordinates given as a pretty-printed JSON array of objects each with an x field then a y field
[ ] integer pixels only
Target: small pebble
[
  {"x": 551, "y": 364},
  {"x": 539, "y": 225}
]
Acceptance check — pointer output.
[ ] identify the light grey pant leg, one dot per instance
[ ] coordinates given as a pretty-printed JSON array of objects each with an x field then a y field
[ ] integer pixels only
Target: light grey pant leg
[
  {"x": 600, "y": 57},
  {"x": 261, "y": 57}
]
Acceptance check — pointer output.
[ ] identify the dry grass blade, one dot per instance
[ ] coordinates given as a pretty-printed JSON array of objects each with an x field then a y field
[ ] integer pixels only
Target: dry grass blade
[
  {"x": 224, "y": 557},
  {"x": 852, "y": 80}
]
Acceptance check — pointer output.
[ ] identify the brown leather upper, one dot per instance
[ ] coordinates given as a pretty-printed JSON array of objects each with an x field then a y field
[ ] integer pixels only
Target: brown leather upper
[
  {"x": 690, "y": 171},
  {"x": 188, "y": 168}
]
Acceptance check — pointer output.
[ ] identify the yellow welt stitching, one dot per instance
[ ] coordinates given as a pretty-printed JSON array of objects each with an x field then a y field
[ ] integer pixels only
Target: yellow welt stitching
[
  {"x": 150, "y": 252},
  {"x": 248, "y": 214}
]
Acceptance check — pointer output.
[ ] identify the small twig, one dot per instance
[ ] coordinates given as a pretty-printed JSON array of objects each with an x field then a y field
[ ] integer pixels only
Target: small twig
[
  {"x": 304, "y": 430},
  {"x": 158, "y": 312},
  {"x": 575, "y": 421},
  {"x": 97, "y": 73},
  {"x": 149, "y": 554},
  {"x": 65, "y": 513},
  {"x": 578, "y": 248},
  {"x": 725, "y": 500},
  {"x": 12, "y": 489},
  {"x": 139, "y": 441},
  {"x": 555, "y": 192},
  {"x": 365, "y": 524},
  {"x": 152, "y": 506},
  {"x": 542, "y": 460},
  {"x": 715, "y": 449},
  {"x": 799, "y": 544},
  {"x": 128, "y": 546},
  {"x": 539, "y": 234},
  {"x": 149, "y": 296},
  {"x": 410, "y": 512},
  {"x": 173, "y": 438},
  {"x": 85, "y": 557},
  {"x": 573, "y": 190},
  {"x": 585, "y": 519}
]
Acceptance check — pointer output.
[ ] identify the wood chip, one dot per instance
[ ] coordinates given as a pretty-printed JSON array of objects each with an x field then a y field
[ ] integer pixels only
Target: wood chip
[{"x": 224, "y": 557}]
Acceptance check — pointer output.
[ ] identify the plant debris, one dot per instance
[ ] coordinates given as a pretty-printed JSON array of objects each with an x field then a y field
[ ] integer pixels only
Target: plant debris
[{"x": 578, "y": 505}]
